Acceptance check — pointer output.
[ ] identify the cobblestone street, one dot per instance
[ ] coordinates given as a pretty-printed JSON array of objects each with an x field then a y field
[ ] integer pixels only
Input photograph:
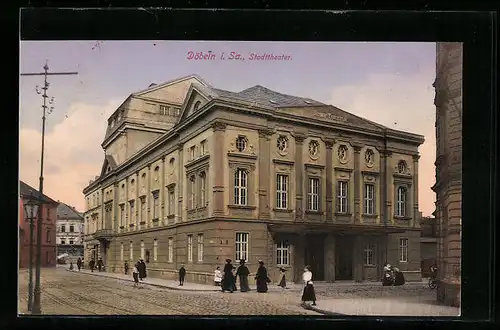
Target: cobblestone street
[{"x": 71, "y": 293}]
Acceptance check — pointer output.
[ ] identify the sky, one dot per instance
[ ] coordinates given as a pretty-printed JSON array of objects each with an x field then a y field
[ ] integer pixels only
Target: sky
[{"x": 389, "y": 83}]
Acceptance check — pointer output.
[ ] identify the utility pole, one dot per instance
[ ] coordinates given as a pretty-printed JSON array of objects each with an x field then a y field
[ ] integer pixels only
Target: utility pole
[{"x": 35, "y": 306}]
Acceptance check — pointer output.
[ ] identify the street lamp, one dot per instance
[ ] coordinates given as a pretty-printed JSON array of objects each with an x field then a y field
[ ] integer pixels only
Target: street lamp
[{"x": 30, "y": 213}]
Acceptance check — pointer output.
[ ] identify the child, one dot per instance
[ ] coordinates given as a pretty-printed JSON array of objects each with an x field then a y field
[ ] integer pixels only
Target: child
[
  {"x": 217, "y": 276},
  {"x": 135, "y": 274}
]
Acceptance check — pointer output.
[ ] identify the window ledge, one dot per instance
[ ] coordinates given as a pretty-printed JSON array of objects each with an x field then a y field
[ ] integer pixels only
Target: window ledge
[
  {"x": 398, "y": 217},
  {"x": 283, "y": 210},
  {"x": 370, "y": 266},
  {"x": 245, "y": 207},
  {"x": 341, "y": 214},
  {"x": 142, "y": 222},
  {"x": 370, "y": 215},
  {"x": 155, "y": 220},
  {"x": 170, "y": 216},
  {"x": 131, "y": 225},
  {"x": 121, "y": 227},
  {"x": 314, "y": 212}
]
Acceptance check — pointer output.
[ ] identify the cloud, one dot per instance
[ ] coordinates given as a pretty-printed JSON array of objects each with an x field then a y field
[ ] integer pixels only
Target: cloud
[
  {"x": 73, "y": 154},
  {"x": 402, "y": 102}
]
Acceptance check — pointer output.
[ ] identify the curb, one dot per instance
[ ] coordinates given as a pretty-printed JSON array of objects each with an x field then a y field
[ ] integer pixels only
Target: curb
[
  {"x": 146, "y": 283},
  {"x": 321, "y": 311}
]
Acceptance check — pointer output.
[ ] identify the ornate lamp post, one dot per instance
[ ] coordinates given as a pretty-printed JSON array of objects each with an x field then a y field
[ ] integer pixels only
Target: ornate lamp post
[{"x": 30, "y": 213}]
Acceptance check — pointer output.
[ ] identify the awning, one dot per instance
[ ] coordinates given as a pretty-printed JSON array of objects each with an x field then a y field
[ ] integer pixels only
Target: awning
[{"x": 326, "y": 228}]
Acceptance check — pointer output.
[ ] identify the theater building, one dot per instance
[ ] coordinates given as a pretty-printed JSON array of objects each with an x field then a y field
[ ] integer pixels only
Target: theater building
[{"x": 195, "y": 175}]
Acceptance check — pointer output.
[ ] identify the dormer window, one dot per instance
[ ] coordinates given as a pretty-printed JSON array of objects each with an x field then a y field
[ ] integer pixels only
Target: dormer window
[
  {"x": 308, "y": 102},
  {"x": 196, "y": 106},
  {"x": 108, "y": 169},
  {"x": 164, "y": 110},
  {"x": 273, "y": 102}
]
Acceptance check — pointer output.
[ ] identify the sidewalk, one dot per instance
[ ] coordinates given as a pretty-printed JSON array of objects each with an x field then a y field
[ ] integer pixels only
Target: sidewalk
[{"x": 415, "y": 306}]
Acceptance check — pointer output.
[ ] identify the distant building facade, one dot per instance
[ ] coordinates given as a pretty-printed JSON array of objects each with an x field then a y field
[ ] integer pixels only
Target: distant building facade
[
  {"x": 70, "y": 229},
  {"x": 448, "y": 186},
  {"x": 428, "y": 244},
  {"x": 48, "y": 228},
  {"x": 195, "y": 175}
]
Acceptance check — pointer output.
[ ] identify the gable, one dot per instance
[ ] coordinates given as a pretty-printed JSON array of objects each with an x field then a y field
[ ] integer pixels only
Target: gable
[
  {"x": 331, "y": 114},
  {"x": 174, "y": 91},
  {"x": 108, "y": 165},
  {"x": 196, "y": 98}
]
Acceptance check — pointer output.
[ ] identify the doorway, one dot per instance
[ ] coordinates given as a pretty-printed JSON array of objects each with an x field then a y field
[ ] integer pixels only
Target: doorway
[
  {"x": 314, "y": 256},
  {"x": 343, "y": 258}
]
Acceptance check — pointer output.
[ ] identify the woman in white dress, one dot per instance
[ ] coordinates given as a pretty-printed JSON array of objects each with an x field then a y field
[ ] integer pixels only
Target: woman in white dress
[
  {"x": 308, "y": 294},
  {"x": 217, "y": 276}
]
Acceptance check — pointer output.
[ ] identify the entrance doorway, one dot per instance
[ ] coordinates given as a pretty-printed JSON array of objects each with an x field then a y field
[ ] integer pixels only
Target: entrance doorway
[
  {"x": 343, "y": 258},
  {"x": 314, "y": 256}
]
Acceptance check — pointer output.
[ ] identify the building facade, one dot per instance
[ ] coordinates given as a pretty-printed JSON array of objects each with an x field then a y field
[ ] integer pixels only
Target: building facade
[
  {"x": 70, "y": 231},
  {"x": 448, "y": 186},
  {"x": 195, "y": 175},
  {"x": 428, "y": 244},
  {"x": 48, "y": 229}
]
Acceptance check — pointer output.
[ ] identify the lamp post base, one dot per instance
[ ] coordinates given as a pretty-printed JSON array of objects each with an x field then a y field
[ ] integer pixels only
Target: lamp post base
[
  {"x": 36, "y": 309},
  {"x": 30, "y": 297}
]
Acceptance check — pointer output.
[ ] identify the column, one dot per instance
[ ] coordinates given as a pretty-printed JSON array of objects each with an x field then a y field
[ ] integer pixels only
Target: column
[
  {"x": 161, "y": 208},
  {"x": 137, "y": 204},
  {"x": 382, "y": 189},
  {"x": 388, "y": 182},
  {"x": 148, "y": 198},
  {"x": 329, "y": 184},
  {"x": 126, "y": 212},
  {"x": 330, "y": 258},
  {"x": 264, "y": 164},
  {"x": 357, "y": 177},
  {"x": 357, "y": 262},
  {"x": 219, "y": 130},
  {"x": 415, "y": 221},
  {"x": 102, "y": 218},
  {"x": 299, "y": 262},
  {"x": 114, "y": 222},
  {"x": 180, "y": 184},
  {"x": 299, "y": 181}
]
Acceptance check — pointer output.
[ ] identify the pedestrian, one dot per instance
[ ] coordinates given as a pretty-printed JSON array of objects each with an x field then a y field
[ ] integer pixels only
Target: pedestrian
[
  {"x": 91, "y": 265},
  {"x": 71, "y": 265},
  {"x": 125, "y": 268},
  {"x": 79, "y": 263},
  {"x": 243, "y": 273},
  {"x": 217, "y": 276},
  {"x": 142, "y": 269},
  {"x": 135, "y": 275},
  {"x": 282, "y": 282},
  {"x": 228, "y": 279},
  {"x": 262, "y": 278},
  {"x": 182, "y": 275},
  {"x": 308, "y": 294},
  {"x": 99, "y": 264}
]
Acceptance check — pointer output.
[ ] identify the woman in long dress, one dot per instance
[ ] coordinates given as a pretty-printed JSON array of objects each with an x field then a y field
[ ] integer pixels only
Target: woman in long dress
[
  {"x": 243, "y": 273},
  {"x": 228, "y": 279},
  {"x": 261, "y": 278},
  {"x": 282, "y": 282},
  {"x": 308, "y": 294}
]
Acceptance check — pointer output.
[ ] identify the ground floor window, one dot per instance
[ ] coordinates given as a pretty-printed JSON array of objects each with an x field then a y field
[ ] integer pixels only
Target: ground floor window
[
  {"x": 170, "y": 249},
  {"x": 368, "y": 255},
  {"x": 131, "y": 251},
  {"x": 155, "y": 250},
  {"x": 403, "y": 250},
  {"x": 121, "y": 252},
  {"x": 190, "y": 247},
  {"x": 200, "y": 247},
  {"x": 241, "y": 247},
  {"x": 282, "y": 253}
]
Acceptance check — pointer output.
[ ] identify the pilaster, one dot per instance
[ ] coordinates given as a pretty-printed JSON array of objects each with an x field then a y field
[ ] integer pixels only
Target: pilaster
[
  {"x": 161, "y": 209},
  {"x": 137, "y": 204},
  {"x": 415, "y": 221},
  {"x": 357, "y": 178},
  {"x": 299, "y": 258},
  {"x": 219, "y": 130},
  {"x": 329, "y": 184},
  {"x": 299, "y": 183},
  {"x": 148, "y": 197},
  {"x": 102, "y": 218},
  {"x": 114, "y": 222},
  {"x": 382, "y": 188},
  {"x": 357, "y": 264},
  {"x": 180, "y": 182},
  {"x": 264, "y": 172},
  {"x": 126, "y": 206},
  {"x": 329, "y": 258},
  {"x": 388, "y": 183}
]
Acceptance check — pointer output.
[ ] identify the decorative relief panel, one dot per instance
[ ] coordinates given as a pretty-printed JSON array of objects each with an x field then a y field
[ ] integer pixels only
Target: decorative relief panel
[
  {"x": 369, "y": 158},
  {"x": 342, "y": 154},
  {"x": 282, "y": 144},
  {"x": 314, "y": 149}
]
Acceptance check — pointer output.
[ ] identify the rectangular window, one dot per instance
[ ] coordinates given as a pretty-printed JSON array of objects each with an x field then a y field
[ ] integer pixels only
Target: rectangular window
[
  {"x": 155, "y": 250},
  {"x": 122, "y": 215},
  {"x": 403, "y": 250},
  {"x": 240, "y": 187},
  {"x": 143, "y": 209},
  {"x": 71, "y": 229},
  {"x": 48, "y": 214},
  {"x": 47, "y": 257},
  {"x": 142, "y": 249},
  {"x": 63, "y": 242},
  {"x": 192, "y": 153},
  {"x": 63, "y": 228},
  {"x": 164, "y": 110},
  {"x": 202, "y": 147},
  {"x": 70, "y": 242},
  {"x": 156, "y": 204},
  {"x": 121, "y": 251},
  {"x": 313, "y": 194},
  {"x": 132, "y": 211},
  {"x": 281, "y": 191},
  {"x": 282, "y": 253},
  {"x": 401, "y": 202},
  {"x": 203, "y": 189},
  {"x": 368, "y": 255},
  {"x": 241, "y": 246},
  {"x": 47, "y": 239},
  {"x": 369, "y": 197},
  {"x": 342, "y": 196},
  {"x": 171, "y": 201},
  {"x": 192, "y": 192},
  {"x": 200, "y": 247},
  {"x": 190, "y": 247},
  {"x": 170, "y": 249},
  {"x": 131, "y": 246}
]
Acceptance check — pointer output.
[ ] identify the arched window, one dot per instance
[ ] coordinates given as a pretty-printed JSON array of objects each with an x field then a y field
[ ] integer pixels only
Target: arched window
[
  {"x": 401, "y": 202},
  {"x": 240, "y": 187}
]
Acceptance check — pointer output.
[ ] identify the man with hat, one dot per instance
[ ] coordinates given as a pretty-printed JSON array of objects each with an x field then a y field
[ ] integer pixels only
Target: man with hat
[
  {"x": 243, "y": 273},
  {"x": 228, "y": 279}
]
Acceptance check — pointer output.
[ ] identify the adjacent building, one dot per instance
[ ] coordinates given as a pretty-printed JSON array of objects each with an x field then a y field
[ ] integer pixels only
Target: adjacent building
[
  {"x": 448, "y": 186},
  {"x": 428, "y": 244},
  {"x": 69, "y": 235},
  {"x": 48, "y": 256},
  {"x": 194, "y": 175}
]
